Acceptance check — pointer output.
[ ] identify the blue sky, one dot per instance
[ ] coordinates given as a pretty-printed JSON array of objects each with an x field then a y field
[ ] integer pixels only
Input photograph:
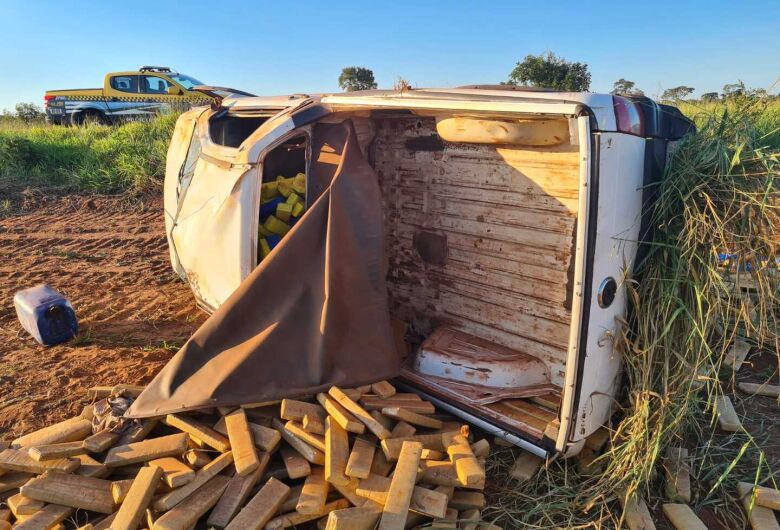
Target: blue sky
[{"x": 282, "y": 47}]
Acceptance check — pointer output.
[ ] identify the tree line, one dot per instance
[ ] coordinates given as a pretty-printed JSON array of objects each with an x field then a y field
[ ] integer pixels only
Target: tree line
[{"x": 549, "y": 71}]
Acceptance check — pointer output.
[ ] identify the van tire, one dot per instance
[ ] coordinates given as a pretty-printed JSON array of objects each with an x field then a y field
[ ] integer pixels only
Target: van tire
[{"x": 89, "y": 117}]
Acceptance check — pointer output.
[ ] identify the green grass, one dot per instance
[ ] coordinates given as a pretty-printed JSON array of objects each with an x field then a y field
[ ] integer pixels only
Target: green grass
[{"x": 94, "y": 158}]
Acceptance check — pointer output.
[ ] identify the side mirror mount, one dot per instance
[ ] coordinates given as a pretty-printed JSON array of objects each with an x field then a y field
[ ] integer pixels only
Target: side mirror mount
[{"x": 174, "y": 91}]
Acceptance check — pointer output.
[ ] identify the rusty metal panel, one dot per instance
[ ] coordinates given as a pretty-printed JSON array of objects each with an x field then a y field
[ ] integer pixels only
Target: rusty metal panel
[{"x": 479, "y": 237}]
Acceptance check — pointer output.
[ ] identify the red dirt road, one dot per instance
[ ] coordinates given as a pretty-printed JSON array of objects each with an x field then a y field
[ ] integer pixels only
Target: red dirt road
[{"x": 110, "y": 257}]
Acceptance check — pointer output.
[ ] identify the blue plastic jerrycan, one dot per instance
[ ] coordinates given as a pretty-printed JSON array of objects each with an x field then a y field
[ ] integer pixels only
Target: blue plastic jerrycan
[{"x": 46, "y": 314}]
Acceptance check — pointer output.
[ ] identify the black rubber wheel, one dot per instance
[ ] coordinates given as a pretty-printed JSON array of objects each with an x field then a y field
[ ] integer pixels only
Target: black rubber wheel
[{"x": 89, "y": 117}]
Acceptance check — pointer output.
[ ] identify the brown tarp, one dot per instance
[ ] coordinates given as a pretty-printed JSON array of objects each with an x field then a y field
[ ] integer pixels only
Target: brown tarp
[{"x": 311, "y": 315}]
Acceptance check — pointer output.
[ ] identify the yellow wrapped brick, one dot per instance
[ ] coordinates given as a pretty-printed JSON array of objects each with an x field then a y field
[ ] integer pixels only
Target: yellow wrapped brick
[
  {"x": 283, "y": 211},
  {"x": 297, "y": 209},
  {"x": 293, "y": 199},
  {"x": 299, "y": 183},
  {"x": 276, "y": 225},
  {"x": 268, "y": 191},
  {"x": 262, "y": 231},
  {"x": 284, "y": 186},
  {"x": 265, "y": 249}
]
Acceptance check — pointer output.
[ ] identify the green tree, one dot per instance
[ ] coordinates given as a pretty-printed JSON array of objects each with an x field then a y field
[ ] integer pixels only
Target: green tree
[
  {"x": 709, "y": 96},
  {"x": 678, "y": 92},
  {"x": 29, "y": 112},
  {"x": 550, "y": 71},
  {"x": 624, "y": 86},
  {"x": 356, "y": 78},
  {"x": 732, "y": 90}
]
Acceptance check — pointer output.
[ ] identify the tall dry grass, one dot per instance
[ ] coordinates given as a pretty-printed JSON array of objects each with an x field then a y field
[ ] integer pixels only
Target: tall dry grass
[{"x": 719, "y": 195}]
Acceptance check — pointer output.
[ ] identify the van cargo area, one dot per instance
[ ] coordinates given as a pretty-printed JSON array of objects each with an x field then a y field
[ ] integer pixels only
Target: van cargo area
[{"x": 480, "y": 232}]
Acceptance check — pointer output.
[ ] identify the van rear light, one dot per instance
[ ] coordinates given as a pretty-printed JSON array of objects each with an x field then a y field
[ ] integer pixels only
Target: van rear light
[
  {"x": 46, "y": 100},
  {"x": 629, "y": 116}
]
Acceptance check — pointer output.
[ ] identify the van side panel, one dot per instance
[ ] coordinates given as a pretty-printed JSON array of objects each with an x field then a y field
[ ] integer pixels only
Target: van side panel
[{"x": 621, "y": 165}]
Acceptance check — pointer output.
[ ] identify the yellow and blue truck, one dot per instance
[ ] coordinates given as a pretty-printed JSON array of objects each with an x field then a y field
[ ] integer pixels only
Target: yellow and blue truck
[{"x": 130, "y": 95}]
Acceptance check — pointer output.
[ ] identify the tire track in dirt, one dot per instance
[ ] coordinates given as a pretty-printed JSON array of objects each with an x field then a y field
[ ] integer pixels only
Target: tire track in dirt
[{"x": 110, "y": 257}]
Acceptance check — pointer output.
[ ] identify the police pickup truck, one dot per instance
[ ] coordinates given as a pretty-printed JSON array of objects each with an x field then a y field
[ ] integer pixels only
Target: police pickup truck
[{"x": 125, "y": 96}]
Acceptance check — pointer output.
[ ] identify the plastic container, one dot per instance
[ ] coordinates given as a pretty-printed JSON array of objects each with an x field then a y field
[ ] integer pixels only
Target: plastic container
[{"x": 46, "y": 314}]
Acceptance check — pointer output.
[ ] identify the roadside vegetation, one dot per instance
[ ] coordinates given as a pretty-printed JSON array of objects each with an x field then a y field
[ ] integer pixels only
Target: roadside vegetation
[{"x": 93, "y": 158}]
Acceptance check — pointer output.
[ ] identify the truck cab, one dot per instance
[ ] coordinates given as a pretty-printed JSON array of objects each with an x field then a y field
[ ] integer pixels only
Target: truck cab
[{"x": 128, "y": 95}]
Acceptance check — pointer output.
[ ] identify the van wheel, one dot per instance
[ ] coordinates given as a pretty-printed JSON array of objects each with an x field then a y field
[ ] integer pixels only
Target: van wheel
[{"x": 89, "y": 117}]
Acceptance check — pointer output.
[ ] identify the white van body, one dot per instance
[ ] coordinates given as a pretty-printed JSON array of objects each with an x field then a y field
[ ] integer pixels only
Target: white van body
[{"x": 512, "y": 220}]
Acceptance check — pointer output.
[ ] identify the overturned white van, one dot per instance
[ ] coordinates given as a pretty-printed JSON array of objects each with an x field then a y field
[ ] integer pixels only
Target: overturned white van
[{"x": 510, "y": 219}]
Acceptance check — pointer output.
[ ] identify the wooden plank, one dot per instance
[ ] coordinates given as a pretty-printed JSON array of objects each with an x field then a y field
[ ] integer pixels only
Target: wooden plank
[
  {"x": 262, "y": 507},
  {"x": 88, "y": 493},
  {"x": 311, "y": 454},
  {"x": 682, "y": 517},
  {"x": 449, "y": 521},
  {"x": 598, "y": 439},
  {"x": 19, "y": 460},
  {"x": 175, "y": 473},
  {"x": 133, "y": 507},
  {"x": 481, "y": 448},
  {"x": 145, "y": 450},
  {"x": 15, "y": 479},
  {"x": 359, "y": 412},
  {"x": 199, "y": 430},
  {"x": 467, "y": 500},
  {"x": 766, "y": 497},
  {"x": 347, "y": 421},
  {"x": 402, "y": 430},
  {"x": 99, "y": 442},
  {"x": 383, "y": 389},
  {"x": 727, "y": 416},
  {"x": 403, "y": 414},
  {"x": 70, "y": 430},
  {"x": 105, "y": 523},
  {"x": 737, "y": 354},
  {"x": 314, "y": 493},
  {"x": 759, "y": 389},
  {"x": 430, "y": 454},
  {"x": 314, "y": 440},
  {"x": 169, "y": 500},
  {"x": 22, "y": 505},
  {"x": 292, "y": 500},
  {"x": 392, "y": 447},
  {"x": 380, "y": 465},
  {"x": 760, "y": 518},
  {"x": 424, "y": 501},
  {"x": 635, "y": 513},
  {"x": 265, "y": 438},
  {"x": 197, "y": 458},
  {"x": 313, "y": 424},
  {"x": 5, "y": 514},
  {"x": 360, "y": 459},
  {"x": 468, "y": 519},
  {"x": 54, "y": 451},
  {"x": 295, "y": 410},
  {"x": 399, "y": 494},
  {"x": 294, "y": 463},
  {"x": 525, "y": 467},
  {"x": 336, "y": 452},
  {"x": 236, "y": 494},
  {"x": 186, "y": 514},
  {"x": 90, "y": 467},
  {"x": 419, "y": 407},
  {"x": 469, "y": 472},
  {"x": 51, "y": 515},
  {"x": 292, "y": 519},
  {"x": 381, "y": 418},
  {"x": 244, "y": 454},
  {"x": 440, "y": 473},
  {"x": 358, "y": 518},
  {"x": 678, "y": 477}
]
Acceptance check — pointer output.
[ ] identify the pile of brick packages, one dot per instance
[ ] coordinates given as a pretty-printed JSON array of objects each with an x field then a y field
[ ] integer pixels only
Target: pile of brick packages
[
  {"x": 283, "y": 203},
  {"x": 348, "y": 459}
]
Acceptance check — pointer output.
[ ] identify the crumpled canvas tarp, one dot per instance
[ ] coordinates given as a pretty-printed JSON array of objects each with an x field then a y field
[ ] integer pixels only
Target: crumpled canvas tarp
[{"x": 313, "y": 314}]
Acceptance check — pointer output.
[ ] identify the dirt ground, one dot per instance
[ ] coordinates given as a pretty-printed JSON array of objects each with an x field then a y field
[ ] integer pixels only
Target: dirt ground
[{"x": 110, "y": 257}]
